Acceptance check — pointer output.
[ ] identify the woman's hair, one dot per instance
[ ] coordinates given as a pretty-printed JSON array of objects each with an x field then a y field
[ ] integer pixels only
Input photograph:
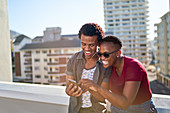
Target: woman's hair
[
  {"x": 116, "y": 41},
  {"x": 91, "y": 29}
]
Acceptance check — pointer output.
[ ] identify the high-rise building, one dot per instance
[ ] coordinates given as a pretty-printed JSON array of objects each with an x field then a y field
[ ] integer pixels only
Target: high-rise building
[
  {"x": 163, "y": 49},
  {"x": 127, "y": 19}
]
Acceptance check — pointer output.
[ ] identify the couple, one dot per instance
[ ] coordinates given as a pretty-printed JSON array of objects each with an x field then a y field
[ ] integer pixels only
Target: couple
[{"x": 119, "y": 79}]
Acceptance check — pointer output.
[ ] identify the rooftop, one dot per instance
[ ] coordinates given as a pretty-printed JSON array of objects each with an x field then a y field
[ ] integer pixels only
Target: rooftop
[{"x": 53, "y": 44}]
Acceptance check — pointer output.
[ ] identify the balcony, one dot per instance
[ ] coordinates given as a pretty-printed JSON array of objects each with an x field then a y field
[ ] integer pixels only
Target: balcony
[{"x": 33, "y": 98}]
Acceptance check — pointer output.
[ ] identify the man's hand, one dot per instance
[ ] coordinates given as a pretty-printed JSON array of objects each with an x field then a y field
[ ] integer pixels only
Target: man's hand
[{"x": 73, "y": 90}]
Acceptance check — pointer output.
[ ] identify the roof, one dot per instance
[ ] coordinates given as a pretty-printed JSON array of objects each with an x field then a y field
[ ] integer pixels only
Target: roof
[
  {"x": 20, "y": 38},
  {"x": 38, "y": 37},
  {"x": 53, "y": 44},
  {"x": 71, "y": 35}
]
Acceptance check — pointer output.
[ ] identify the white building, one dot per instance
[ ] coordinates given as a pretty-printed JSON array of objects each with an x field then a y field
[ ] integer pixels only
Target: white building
[
  {"x": 19, "y": 42},
  {"x": 163, "y": 49},
  {"x": 127, "y": 19},
  {"x": 44, "y": 61}
]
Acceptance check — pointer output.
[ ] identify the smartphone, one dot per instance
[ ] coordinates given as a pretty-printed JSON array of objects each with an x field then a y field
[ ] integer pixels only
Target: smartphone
[{"x": 73, "y": 82}]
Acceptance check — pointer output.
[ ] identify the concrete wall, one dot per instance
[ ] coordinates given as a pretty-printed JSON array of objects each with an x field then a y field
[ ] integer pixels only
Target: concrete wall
[{"x": 5, "y": 52}]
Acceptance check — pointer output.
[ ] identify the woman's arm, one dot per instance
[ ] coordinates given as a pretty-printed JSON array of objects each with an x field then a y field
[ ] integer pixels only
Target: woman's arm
[
  {"x": 122, "y": 101},
  {"x": 86, "y": 84}
]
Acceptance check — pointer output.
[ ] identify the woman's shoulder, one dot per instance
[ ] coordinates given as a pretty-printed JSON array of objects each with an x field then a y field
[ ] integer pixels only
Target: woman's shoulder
[{"x": 132, "y": 62}]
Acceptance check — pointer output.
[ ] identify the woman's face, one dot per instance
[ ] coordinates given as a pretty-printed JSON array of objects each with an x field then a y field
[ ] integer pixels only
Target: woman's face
[{"x": 108, "y": 58}]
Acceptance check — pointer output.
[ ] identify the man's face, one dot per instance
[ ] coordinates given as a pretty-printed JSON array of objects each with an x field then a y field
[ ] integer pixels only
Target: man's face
[{"x": 89, "y": 45}]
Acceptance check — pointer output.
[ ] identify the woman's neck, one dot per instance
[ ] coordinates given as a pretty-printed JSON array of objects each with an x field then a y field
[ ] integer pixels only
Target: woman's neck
[{"x": 120, "y": 63}]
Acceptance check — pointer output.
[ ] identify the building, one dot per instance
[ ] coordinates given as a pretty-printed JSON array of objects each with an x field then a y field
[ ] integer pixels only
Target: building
[
  {"x": 19, "y": 42},
  {"x": 127, "y": 19},
  {"x": 44, "y": 61},
  {"x": 163, "y": 49}
]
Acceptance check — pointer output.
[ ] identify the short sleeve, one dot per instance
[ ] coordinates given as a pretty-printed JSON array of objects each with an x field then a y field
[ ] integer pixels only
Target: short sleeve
[
  {"x": 134, "y": 72},
  {"x": 69, "y": 70},
  {"x": 107, "y": 74}
]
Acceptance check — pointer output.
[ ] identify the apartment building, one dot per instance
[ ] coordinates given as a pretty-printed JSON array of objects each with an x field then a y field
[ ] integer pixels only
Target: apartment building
[
  {"x": 44, "y": 61},
  {"x": 19, "y": 42},
  {"x": 127, "y": 19},
  {"x": 163, "y": 49}
]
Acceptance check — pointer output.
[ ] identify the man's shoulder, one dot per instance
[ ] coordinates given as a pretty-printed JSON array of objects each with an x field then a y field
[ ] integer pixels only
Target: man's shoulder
[{"x": 77, "y": 55}]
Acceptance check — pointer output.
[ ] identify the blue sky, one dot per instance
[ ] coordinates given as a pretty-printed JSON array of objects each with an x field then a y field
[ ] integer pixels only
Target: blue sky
[{"x": 31, "y": 17}]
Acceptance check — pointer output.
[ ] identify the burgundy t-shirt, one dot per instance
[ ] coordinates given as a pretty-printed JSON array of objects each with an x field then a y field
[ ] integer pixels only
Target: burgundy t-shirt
[{"x": 133, "y": 70}]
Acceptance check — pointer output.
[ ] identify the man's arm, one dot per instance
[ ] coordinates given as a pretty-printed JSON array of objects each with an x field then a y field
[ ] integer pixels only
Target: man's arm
[{"x": 72, "y": 90}]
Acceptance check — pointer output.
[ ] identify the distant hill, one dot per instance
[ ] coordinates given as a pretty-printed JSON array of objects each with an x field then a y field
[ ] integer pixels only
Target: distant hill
[{"x": 13, "y": 34}]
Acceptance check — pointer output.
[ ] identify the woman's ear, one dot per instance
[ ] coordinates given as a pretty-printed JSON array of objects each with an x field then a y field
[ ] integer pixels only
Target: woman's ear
[{"x": 119, "y": 53}]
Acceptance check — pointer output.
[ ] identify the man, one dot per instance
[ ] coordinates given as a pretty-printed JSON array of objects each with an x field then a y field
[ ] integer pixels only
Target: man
[{"x": 85, "y": 65}]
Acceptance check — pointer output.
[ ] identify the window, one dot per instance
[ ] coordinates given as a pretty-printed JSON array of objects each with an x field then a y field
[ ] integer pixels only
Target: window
[
  {"x": 109, "y": 8},
  {"x": 109, "y": 16},
  {"x": 37, "y": 76},
  {"x": 109, "y": 20},
  {"x": 116, "y": 7},
  {"x": 125, "y": 19},
  {"x": 117, "y": 20},
  {"x": 56, "y": 59},
  {"x": 45, "y": 68},
  {"x": 37, "y": 60},
  {"x": 134, "y": 18},
  {"x": 117, "y": 24},
  {"x": 134, "y": 5},
  {"x": 56, "y": 69},
  {"x": 110, "y": 3},
  {"x": 44, "y": 51},
  {"x": 45, "y": 60},
  {"x": 125, "y": 24},
  {"x": 45, "y": 76},
  {"x": 142, "y": 23},
  {"x": 117, "y": 15},
  {"x": 57, "y": 51},
  {"x": 36, "y": 68},
  {"x": 109, "y": 12},
  {"x": 125, "y": 6},
  {"x": 110, "y": 24},
  {"x": 143, "y": 53},
  {"x": 37, "y": 52},
  {"x": 110, "y": 29}
]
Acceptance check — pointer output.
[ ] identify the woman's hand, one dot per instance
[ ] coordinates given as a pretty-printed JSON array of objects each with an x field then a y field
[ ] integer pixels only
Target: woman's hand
[{"x": 87, "y": 84}]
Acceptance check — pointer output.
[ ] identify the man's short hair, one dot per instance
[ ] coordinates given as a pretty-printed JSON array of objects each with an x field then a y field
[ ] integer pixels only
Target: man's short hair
[
  {"x": 91, "y": 29},
  {"x": 116, "y": 41}
]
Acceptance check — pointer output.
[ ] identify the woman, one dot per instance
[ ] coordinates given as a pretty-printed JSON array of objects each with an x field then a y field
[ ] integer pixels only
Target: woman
[{"x": 129, "y": 85}]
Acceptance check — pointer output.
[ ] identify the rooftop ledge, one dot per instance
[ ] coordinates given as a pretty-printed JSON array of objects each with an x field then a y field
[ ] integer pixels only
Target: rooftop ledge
[{"x": 35, "y": 98}]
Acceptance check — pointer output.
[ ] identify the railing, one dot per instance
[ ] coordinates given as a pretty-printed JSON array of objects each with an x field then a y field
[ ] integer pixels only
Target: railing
[{"x": 34, "y": 98}]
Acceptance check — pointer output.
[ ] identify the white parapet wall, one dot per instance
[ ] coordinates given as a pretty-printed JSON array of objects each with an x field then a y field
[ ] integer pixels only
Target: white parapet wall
[
  {"x": 34, "y": 98},
  {"x": 5, "y": 50}
]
